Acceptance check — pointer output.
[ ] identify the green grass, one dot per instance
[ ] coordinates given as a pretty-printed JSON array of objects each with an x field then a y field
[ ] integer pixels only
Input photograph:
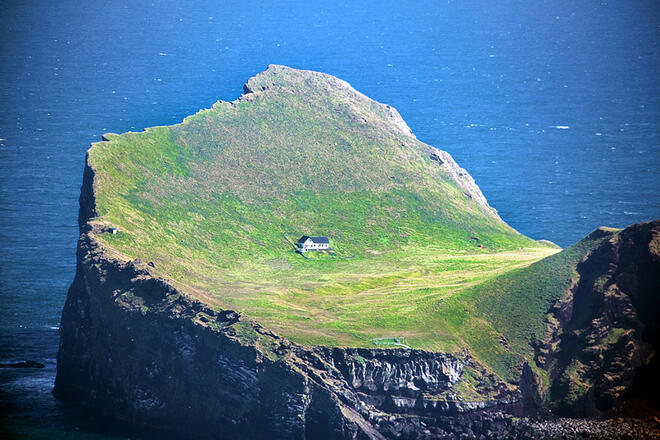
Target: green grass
[
  {"x": 614, "y": 336},
  {"x": 216, "y": 201}
]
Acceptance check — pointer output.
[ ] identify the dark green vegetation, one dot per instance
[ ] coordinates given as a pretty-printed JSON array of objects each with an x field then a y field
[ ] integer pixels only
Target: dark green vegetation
[{"x": 215, "y": 202}]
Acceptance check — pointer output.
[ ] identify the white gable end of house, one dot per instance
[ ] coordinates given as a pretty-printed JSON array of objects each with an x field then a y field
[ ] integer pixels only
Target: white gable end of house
[{"x": 313, "y": 243}]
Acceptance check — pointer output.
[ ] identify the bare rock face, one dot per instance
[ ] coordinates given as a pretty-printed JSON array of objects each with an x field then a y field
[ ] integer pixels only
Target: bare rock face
[
  {"x": 463, "y": 179},
  {"x": 605, "y": 334},
  {"x": 398, "y": 380},
  {"x": 399, "y": 370}
]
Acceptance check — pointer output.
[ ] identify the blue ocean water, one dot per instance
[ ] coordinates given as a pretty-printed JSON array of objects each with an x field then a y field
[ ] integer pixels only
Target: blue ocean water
[{"x": 552, "y": 106}]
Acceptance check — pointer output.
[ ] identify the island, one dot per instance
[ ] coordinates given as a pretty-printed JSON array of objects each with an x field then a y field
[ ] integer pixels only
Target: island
[{"x": 421, "y": 313}]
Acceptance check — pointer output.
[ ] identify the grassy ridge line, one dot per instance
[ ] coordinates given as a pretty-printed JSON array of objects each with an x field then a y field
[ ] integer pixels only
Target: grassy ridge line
[{"x": 385, "y": 191}]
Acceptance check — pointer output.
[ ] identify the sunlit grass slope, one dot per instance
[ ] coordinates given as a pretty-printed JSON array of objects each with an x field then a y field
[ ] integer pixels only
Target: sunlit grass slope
[
  {"x": 215, "y": 202},
  {"x": 513, "y": 303}
]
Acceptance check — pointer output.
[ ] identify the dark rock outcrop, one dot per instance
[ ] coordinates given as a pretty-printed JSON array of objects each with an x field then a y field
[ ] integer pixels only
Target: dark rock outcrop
[
  {"x": 605, "y": 335},
  {"x": 23, "y": 364}
]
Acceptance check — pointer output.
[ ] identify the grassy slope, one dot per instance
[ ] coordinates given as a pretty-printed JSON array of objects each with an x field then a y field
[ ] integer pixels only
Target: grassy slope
[
  {"x": 514, "y": 302},
  {"x": 215, "y": 201}
]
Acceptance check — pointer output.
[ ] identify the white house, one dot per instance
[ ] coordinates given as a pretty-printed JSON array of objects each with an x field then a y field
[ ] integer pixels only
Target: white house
[{"x": 307, "y": 243}]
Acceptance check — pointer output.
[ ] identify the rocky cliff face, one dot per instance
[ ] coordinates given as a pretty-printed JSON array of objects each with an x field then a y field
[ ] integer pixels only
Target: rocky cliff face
[
  {"x": 604, "y": 334},
  {"x": 135, "y": 347}
]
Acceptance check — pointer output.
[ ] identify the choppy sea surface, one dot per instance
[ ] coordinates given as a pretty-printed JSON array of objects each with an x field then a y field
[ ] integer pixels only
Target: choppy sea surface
[{"x": 553, "y": 107}]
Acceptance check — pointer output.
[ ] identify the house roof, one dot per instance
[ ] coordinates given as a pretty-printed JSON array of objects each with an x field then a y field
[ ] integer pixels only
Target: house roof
[{"x": 314, "y": 239}]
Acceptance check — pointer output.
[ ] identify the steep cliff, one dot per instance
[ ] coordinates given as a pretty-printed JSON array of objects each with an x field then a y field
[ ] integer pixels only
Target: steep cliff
[
  {"x": 139, "y": 350},
  {"x": 603, "y": 338}
]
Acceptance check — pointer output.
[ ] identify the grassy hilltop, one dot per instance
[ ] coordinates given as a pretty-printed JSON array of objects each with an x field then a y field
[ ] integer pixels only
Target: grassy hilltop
[{"x": 216, "y": 201}]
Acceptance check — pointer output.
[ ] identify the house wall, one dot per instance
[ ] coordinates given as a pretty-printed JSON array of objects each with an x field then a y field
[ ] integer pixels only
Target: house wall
[{"x": 314, "y": 246}]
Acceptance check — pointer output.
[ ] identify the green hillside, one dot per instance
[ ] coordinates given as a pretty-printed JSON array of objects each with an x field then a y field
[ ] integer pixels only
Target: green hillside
[
  {"x": 216, "y": 201},
  {"x": 513, "y": 306}
]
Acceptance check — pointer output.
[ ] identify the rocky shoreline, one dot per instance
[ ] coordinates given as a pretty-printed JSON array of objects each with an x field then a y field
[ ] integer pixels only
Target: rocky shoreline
[
  {"x": 609, "y": 429},
  {"x": 501, "y": 426}
]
